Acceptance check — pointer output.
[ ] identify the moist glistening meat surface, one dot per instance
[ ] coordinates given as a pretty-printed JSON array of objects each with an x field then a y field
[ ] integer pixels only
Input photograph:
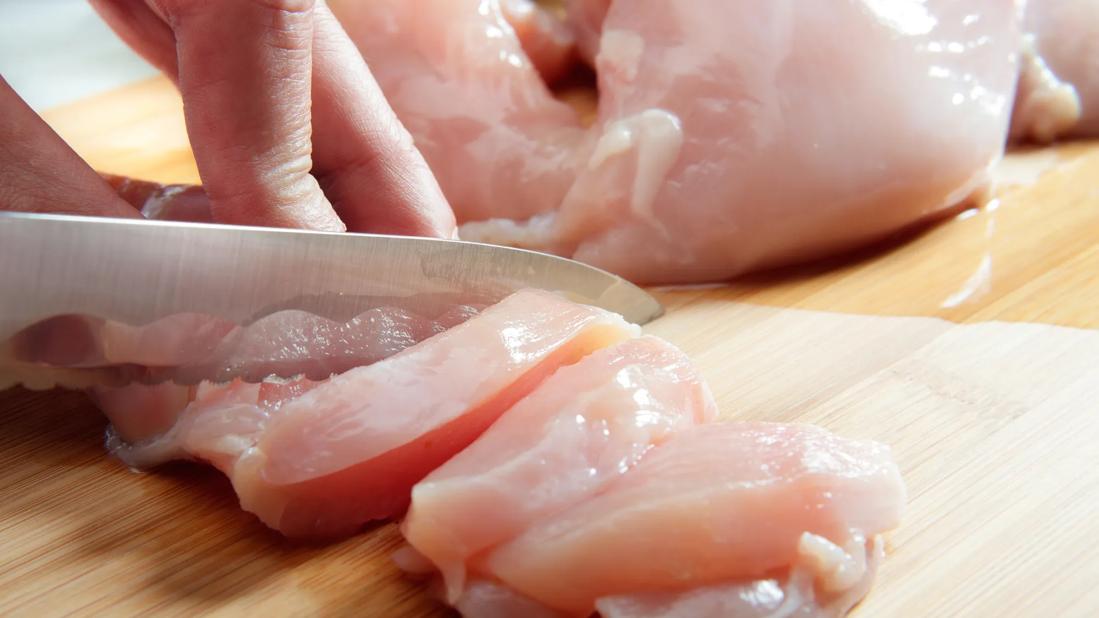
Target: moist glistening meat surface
[{"x": 320, "y": 459}]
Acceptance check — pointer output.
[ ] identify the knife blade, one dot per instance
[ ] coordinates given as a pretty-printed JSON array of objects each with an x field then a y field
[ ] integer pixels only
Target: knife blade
[{"x": 137, "y": 271}]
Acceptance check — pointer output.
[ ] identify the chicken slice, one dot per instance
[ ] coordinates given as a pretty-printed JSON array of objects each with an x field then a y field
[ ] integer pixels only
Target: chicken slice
[
  {"x": 585, "y": 426},
  {"x": 719, "y": 504},
  {"x": 793, "y": 595},
  {"x": 322, "y": 458}
]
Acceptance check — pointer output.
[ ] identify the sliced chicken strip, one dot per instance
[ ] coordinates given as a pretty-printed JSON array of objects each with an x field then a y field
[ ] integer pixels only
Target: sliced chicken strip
[
  {"x": 320, "y": 459},
  {"x": 724, "y": 503},
  {"x": 584, "y": 427}
]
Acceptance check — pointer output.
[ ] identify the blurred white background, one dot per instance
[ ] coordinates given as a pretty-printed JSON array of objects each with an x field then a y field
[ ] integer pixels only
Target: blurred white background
[{"x": 57, "y": 51}]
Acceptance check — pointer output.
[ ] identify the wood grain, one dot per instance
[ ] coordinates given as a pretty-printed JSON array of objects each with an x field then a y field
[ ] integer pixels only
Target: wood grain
[{"x": 1004, "y": 500}]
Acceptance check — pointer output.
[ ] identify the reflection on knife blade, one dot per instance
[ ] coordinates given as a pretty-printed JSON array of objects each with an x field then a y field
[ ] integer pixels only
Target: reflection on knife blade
[
  {"x": 88, "y": 299},
  {"x": 77, "y": 351}
]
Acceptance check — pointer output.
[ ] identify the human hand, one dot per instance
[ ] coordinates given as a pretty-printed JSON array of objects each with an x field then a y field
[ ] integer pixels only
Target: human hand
[
  {"x": 40, "y": 173},
  {"x": 287, "y": 124}
]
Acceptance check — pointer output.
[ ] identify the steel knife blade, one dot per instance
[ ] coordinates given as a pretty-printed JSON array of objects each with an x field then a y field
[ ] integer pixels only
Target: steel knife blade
[{"x": 138, "y": 271}]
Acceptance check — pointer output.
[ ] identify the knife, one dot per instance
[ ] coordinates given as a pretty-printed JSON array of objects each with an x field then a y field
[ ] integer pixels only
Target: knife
[{"x": 138, "y": 271}]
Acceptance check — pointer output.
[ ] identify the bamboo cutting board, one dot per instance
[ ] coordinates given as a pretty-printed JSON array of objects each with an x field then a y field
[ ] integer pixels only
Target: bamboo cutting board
[{"x": 996, "y": 427}]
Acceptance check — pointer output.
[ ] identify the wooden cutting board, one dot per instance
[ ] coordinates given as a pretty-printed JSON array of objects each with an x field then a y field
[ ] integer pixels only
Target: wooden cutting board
[{"x": 997, "y": 527}]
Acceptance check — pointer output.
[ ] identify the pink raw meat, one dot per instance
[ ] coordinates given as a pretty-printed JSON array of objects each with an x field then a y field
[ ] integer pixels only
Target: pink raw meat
[
  {"x": 717, "y": 505},
  {"x": 321, "y": 459},
  {"x": 546, "y": 39},
  {"x": 732, "y": 135},
  {"x": 457, "y": 76},
  {"x": 1059, "y": 84},
  {"x": 586, "y": 19},
  {"x": 740, "y": 135},
  {"x": 585, "y": 426}
]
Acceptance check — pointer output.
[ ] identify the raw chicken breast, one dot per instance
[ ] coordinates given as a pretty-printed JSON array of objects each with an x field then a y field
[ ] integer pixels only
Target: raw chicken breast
[
  {"x": 546, "y": 39},
  {"x": 793, "y": 594},
  {"x": 715, "y": 508},
  {"x": 736, "y": 135},
  {"x": 1059, "y": 81},
  {"x": 483, "y": 599},
  {"x": 844, "y": 574},
  {"x": 215, "y": 423},
  {"x": 458, "y": 78},
  {"x": 586, "y": 19},
  {"x": 140, "y": 412},
  {"x": 322, "y": 458},
  {"x": 585, "y": 426},
  {"x": 173, "y": 202}
]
